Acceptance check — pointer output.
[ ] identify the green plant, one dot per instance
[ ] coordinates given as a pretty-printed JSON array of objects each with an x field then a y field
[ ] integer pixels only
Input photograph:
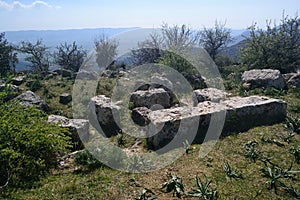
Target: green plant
[
  {"x": 293, "y": 124},
  {"x": 272, "y": 141},
  {"x": 296, "y": 154},
  {"x": 36, "y": 85},
  {"x": 230, "y": 172},
  {"x": 187, "y": 147},
  {"x": 146, "y": 194},
  {"x": 287, "y": 138},
  {"x": 85, "y": 158},
  {"x": 174, "y": 184},
  {"x": 28, "y": 144},
  {"x": 203, "y": 191},
  {"x": 274, "y": 174},
  {"x": 250, "y": 151}
]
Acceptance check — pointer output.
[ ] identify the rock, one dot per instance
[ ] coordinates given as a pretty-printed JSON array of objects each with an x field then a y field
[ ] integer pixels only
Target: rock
[
  {"x": 106, "y": 113},
  {"x": 242, "y": 113},
  {"x": 64, "y": 72},
  {"x": 29, "y": 98},
  {"x": 18, "y": 80},
  {"x": 78, "y": 127},
  {"x": 208, "y": 94},
  {"x": 161, "y": 82},
  {"x": 11, "y": 91},
  {"x": 65, "y": 98},
  {"x": 264, "y": 78},
  {"x": 149, "y": 98},
  {"x": 83, "y": 74},
  {"x": 294, "y": 80},
  {"x": 9, "y": 88},
  {"x": 140, "y": 116}
]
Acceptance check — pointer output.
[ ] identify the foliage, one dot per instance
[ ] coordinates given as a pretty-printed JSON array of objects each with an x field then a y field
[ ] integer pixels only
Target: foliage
[
  {"x": 184, "y": 67},
  {"x": 277, "y": 47},
  {"x": 215, "y": 39},
  {"x": 293, "y": 124},
  {"x": 85, "y": 158},
  {"x": 296, "y": 154},
  {"x": 28, "y": 144},
  {"x": 69, "y": 56},
  {"x": 175, "y": 185},
  {"x": 8, "y": 56},
  {"x": 38, "y": 54},
  {"x": 230, "y": 172},
  {"x": 250, "y": 150},
  {"x": 146, "y": 194},
  {"x": 203, "y": 191},
  {"x": 175, "y": 39},
  {"x": 274, "y": 174},
  {"x": 36, "y": 85},
  {"x": 106, "y": 51}
]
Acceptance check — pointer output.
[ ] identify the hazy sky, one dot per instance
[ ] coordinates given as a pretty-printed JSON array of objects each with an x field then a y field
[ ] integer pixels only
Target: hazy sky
[{"x": 66, "y": 14}]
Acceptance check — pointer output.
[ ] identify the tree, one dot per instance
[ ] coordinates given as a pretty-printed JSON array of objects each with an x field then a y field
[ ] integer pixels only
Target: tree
[
  {"x": 8, "y": 56},
  {"x": 38, "y": 55},
  {"x": 277, "y": 47},
  {"x": 176, "y": 39},
  {"x": 106, "y": 51},
  {"x": 69, "y": 56},
  {"x": 215, "y": 39}
]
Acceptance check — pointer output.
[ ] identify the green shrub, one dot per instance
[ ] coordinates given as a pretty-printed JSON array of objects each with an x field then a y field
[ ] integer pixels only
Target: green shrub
[
  {"x": 85, "y": 158},
  {"x": 36, "y": 85},
  {"x": 28, "y": 144}
]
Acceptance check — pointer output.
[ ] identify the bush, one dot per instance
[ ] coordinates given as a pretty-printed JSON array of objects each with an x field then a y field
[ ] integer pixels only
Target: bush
[{"x": 28, "y": 144}]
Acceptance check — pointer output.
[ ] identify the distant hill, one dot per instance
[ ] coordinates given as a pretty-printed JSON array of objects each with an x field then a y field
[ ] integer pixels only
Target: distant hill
[
  {"x": 86, "y": 37},
  {"x": 233, "y": 51}
]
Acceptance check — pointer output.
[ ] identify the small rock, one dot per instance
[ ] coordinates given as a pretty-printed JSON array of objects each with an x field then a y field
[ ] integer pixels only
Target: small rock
[
  {"x": 294, "y": 80},
  {"x": 29, "y": 98},
  {"x": 18, "y": 80},
  {"x": 65, "y": 98},
  {"x": 78, "y": 127}
]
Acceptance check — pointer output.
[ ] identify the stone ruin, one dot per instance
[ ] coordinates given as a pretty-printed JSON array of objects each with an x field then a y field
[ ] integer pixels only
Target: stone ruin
[{"x": 169, "y": 121}]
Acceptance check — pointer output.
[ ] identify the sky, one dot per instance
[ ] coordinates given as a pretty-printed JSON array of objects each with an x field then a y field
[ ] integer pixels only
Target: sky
[{"x": 71, "y": 14}]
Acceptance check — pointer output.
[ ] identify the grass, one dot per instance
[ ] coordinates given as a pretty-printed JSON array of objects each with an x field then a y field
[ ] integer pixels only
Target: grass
[{"x": 105, "y": 183}]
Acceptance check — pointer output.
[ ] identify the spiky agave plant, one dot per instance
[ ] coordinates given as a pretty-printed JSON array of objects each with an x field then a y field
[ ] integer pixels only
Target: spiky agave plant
[
  {"x": 251, "y": 151},
  {"x": 230, "y": 172},
  {"x": 203, "y": 190},
  {"x": 146, "y": 194},
  {"x": 173, "y": 184}
]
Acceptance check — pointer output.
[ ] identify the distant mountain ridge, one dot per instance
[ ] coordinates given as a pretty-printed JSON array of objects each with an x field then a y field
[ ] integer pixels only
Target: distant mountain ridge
[{"x": 85, "y": 37}]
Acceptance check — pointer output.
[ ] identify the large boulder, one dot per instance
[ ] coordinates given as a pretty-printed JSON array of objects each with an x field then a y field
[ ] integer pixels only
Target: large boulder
[
  {"x": 263, "y": 78},
  {"x": 208, "y": 94},
  {"x": 78, "y": 127},
  {"x": 240, "y": 113},
  {"x": 149, "y": 98},
  {"x": 29, "y": 98},
  {"x": 106, "y": 114}
]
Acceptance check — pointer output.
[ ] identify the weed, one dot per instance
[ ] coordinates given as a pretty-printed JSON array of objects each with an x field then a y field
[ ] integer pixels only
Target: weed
[
  {"x": 203, "y": 191},
  {"x": 175, "y": 185},
  {"x": 293, "y": 124},
  {"x": 296, "y": 153},
  {"x": 230, "y": 172},
  {"x": 250, "y": 151},
  {"x": 187, "y": 147},
  {"x": 272, "y": 141},
  {"x": 146, "y": 194},
  {"x": 274, "y": 174},
  {"x": 287, "y": 138}
]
